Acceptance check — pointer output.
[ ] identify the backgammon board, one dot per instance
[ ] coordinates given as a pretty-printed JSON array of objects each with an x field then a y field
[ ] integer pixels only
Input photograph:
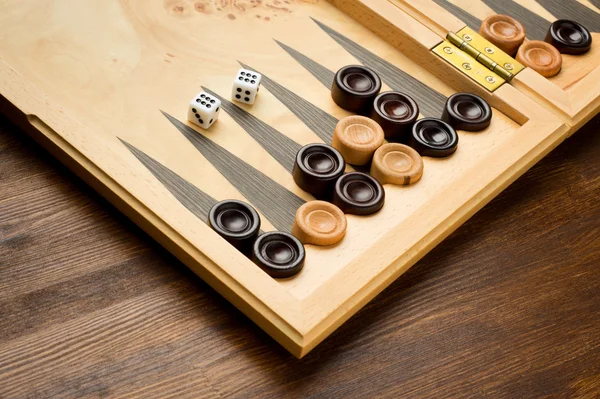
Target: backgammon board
[{"x": 105, "y": 87}]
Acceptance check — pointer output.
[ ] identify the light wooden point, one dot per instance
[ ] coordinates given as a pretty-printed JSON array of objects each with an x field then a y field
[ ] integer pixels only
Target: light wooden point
[
  {"x": 357, "y": 138},
  {"x": 540, "y": 56},
  {"x": 395, "y": 163},
  {"x": 319, "y": 223},
  {"x": 505, "y": 32}
]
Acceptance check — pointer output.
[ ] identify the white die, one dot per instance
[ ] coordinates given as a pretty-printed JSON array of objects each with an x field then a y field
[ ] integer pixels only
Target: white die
[
  {"x": 204, "y": 110},
  {"x": 245, "y": 86}
]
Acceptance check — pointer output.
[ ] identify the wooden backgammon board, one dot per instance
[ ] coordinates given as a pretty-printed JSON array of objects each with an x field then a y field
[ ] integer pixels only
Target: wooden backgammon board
[{"x": 106, "y": 87}]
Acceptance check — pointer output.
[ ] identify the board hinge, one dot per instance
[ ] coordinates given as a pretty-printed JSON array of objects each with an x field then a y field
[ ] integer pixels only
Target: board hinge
[{"x": 477, "y": 58}]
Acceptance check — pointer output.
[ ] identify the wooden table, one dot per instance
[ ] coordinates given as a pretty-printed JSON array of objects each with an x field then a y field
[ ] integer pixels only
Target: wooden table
[{"x": 508, "y": 306}]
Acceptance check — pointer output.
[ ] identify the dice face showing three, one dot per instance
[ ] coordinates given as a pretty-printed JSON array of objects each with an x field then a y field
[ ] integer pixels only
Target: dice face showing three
[
  {"x": 204, "y": 110},
  {"x": 245, "y": 86}
]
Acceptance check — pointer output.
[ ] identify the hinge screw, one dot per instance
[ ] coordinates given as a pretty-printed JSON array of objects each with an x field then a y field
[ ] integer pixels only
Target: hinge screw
[
  {"x": 467, "y": 38},
  {"x": 509, "y": 66},
  {"x": 467, "y": 66},
  {"x": 489, "y": 50},
  {"x": 490, "y": 79},
  {"x": 448, "y": 50}
]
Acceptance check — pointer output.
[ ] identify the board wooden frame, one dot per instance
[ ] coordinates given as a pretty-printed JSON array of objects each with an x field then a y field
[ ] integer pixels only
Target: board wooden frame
[
  {"x": 575, "y": 106},
  {"x": 299, "y": 325}
]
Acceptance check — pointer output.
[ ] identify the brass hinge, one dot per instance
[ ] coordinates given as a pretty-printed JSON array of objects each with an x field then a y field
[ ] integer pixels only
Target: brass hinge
[{"x": 478, "y": 58}]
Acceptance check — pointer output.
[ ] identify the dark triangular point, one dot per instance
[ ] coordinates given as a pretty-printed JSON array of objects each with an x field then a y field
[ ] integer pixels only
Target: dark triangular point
[
  {"x": 279, "y": 146},
  {"x": 317, "y": 120},
  {"x": 278, "y": 204},
  {"x": 431, "y": 102},
  {"x": 322, "y": 74},
  {"x": 190, "y": 196}
]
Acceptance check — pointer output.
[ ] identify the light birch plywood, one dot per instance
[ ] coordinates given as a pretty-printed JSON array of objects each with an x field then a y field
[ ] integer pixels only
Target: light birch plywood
[
  {"x": 573, "y": 94},
  {"x": 89, "y": 81}
]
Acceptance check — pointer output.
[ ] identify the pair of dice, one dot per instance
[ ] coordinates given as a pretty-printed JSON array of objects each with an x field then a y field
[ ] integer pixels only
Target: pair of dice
[{"x": 205, "y": 108}]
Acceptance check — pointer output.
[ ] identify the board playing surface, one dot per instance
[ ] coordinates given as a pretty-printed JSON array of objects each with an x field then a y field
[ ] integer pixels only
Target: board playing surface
[{"x": 106, "y": 86}]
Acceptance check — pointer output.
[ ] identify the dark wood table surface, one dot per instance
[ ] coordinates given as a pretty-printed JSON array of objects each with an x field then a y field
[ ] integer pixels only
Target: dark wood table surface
[{"x": 507, "y": 307}]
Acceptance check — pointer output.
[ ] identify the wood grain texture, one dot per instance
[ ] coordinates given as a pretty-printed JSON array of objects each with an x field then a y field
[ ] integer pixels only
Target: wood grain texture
[
  {"x": 319, "y": 223},
  {"x": 504, "y": 31},
  {"x": 472, "y": 21},
  {"x": 356, "y": 138},
  {"x": 431, "y": 102},
  {"x": 322, "y": 74},
  {"x": 540, "y": 56},
  {"x": 506, "y": 307},
  {"x": 237, "y": 158},
  {"x": 395, "y": 163},
  {"x": 572, "y": 94},
  {"x": 278, "y": 145},
  {"x": 535, "y": 25},
  {"x": 317, "y": 120},
  {"x": 269, "y": 197},
  {"x": 194, "y": 199}
]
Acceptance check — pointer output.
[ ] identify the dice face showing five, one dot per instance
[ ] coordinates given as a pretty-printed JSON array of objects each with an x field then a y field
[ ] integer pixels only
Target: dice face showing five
[
  {"x": 204, "y": 110},
  {"x": 245, "y": 86}
]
